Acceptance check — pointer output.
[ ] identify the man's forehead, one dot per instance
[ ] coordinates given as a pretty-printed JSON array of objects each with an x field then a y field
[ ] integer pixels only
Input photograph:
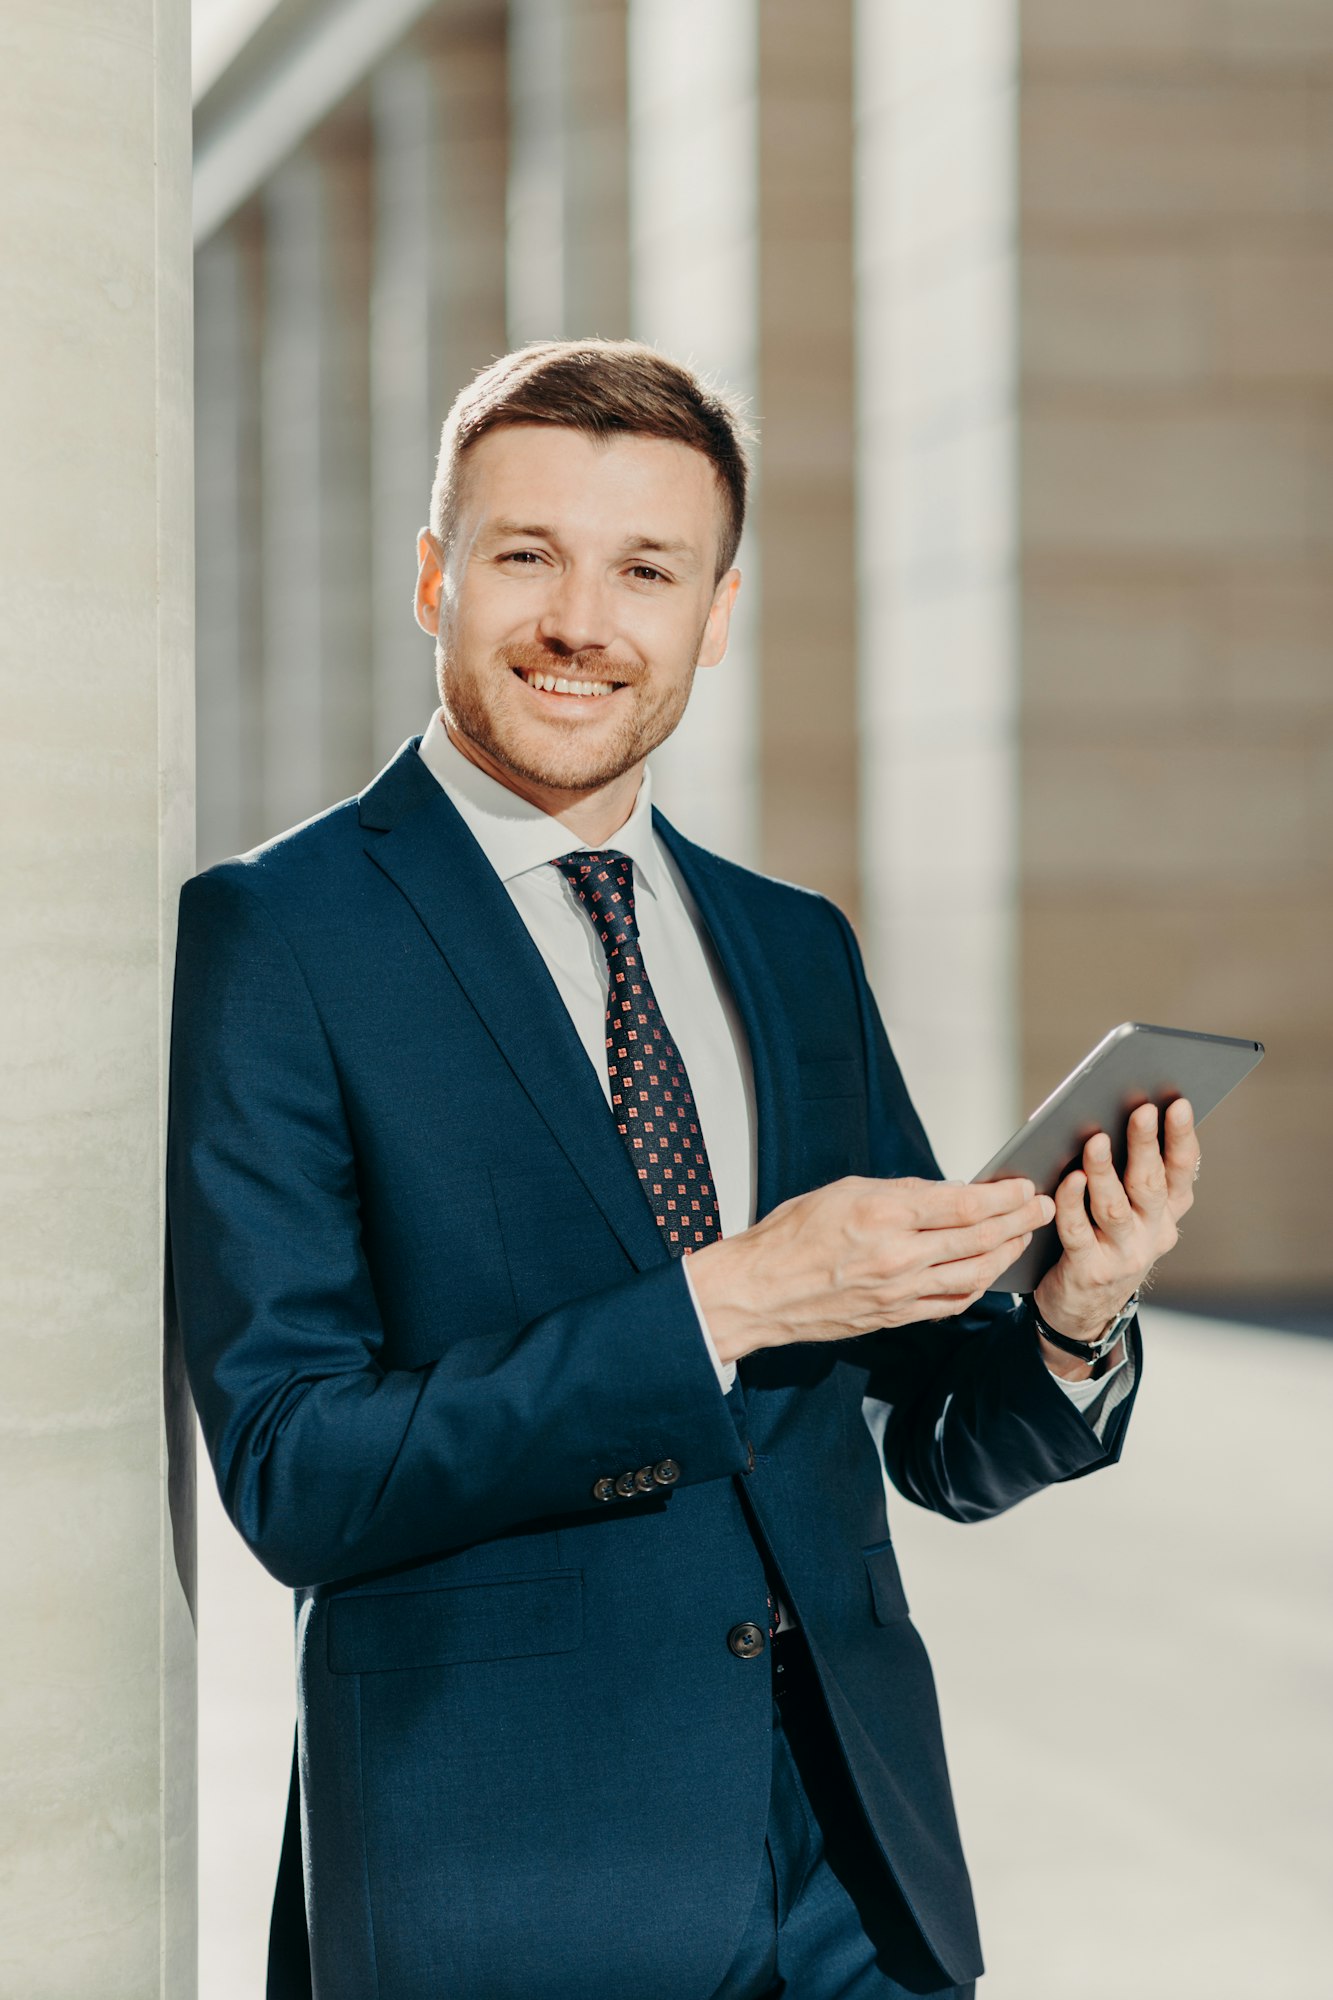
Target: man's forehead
[{"x": 545, "y": 478}]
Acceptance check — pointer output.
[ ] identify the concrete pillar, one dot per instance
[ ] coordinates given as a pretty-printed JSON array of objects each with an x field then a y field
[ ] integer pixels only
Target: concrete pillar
[
  {"x": 694, "y": 189},
  {"x": 938, "y": 526},
  {"x": 438, "y": 106},
  {"x": 97, "y": 1852},
  {"x": 568, "y": 221},
  {"x": 228, "y": 281},
  {"x": 316, "y": 515}
]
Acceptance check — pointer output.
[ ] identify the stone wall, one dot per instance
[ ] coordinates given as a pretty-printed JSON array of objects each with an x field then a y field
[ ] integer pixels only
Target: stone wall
[{"x": 1177, "y": 584}]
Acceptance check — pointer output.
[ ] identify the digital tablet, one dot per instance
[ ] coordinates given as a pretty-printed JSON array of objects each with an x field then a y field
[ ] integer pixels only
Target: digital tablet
[{"x": 1135, "y": 1064}]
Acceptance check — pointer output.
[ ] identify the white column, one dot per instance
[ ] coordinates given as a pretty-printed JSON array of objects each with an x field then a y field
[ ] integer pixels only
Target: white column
[
  {"x": 228, "y": 578},
  {"x": 316, "y": 477},
  {"x": 693, "y": 80},
  {"x": 568, "y": 220},
  {"x": 438, "y": 314},
  {"x": 938, "y": 515},
  {"x": 97, "y": 1851}
]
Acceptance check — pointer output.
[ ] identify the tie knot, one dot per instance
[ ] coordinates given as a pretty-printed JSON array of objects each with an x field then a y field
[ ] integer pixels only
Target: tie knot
[{"x": 603, "y": 879}]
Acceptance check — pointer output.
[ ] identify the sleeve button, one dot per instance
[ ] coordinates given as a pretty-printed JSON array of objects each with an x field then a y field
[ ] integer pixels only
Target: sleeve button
[
  {"x": 746, "y": 1641},
  {"x": 604, "y": 1490},
  {"x": 625, "y": 1485},
  {"x": 666, "y": 1472},
  {"x": 643, "y": 1479}
]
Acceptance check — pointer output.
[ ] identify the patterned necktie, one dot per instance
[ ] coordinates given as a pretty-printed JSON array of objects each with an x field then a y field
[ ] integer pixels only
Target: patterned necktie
[{"x": 651, "y": 1099}]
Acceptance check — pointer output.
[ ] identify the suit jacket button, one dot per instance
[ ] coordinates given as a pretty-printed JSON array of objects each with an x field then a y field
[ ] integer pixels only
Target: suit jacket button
[
  {"x": 604, "y": 1490},
  {"x": 643, "y": 1479},
  {"x": 625, "y": 1485},
  {"x": 746, "y": 1641},
  {"x": 666, "y": 1472}
]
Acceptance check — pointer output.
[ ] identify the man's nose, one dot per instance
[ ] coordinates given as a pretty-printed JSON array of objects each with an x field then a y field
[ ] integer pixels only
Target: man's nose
[{"x": 576, "y": 613}]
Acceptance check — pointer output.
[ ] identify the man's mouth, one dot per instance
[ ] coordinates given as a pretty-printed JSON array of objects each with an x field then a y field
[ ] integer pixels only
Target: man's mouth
[{"x": 566, "y": 689}]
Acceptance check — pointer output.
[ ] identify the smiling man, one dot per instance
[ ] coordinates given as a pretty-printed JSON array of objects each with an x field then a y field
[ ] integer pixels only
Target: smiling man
[{"x": 561, "y": 1267}]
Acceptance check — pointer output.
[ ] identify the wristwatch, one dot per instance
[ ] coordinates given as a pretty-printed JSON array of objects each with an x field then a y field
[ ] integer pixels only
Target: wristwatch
[{"x": 1087, "y": 1350}]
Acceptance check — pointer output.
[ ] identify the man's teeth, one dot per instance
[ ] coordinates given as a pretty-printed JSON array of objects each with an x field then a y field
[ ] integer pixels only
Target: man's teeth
[{"x": 554, "y": 685}]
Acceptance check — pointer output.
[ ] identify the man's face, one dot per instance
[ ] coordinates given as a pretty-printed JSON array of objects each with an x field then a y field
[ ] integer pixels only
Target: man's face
[{"x": 586, "y": 562}]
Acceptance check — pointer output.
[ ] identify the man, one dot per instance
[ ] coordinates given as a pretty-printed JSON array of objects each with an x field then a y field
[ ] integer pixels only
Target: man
[{"x": 560, "y": 1264}]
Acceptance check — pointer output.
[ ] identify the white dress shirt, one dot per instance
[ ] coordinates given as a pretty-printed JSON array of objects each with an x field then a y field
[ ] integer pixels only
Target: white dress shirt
[{"x": 520, "y": 841}]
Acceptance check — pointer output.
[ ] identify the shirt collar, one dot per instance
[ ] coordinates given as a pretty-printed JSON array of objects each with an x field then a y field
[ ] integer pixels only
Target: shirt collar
[{"x": 517, "y": 836}]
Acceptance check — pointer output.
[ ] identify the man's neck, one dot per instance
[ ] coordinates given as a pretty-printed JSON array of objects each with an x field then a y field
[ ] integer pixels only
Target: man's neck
[{"x": 594, "y": 816}]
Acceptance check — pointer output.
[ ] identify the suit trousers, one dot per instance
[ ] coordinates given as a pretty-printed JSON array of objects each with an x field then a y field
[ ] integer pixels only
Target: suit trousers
[{"x": 828, "y": 1922}]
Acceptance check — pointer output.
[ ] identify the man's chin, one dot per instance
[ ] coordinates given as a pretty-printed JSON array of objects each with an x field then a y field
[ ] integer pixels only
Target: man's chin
[{"x": 539, "y": 758}]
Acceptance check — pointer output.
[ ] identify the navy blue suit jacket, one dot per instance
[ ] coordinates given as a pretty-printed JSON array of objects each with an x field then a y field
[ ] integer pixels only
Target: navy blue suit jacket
[{"x": 425, "y": 1308}]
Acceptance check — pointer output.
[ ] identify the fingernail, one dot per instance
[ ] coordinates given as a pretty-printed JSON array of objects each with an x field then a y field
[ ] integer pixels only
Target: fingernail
[
  {"x": 1100, "y": 1147},
  {"x": 1047, "y": 1208}
]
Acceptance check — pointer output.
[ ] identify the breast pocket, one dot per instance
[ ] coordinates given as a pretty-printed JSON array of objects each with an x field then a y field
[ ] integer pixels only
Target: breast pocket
[
  {"x": 510, "y": 1619},
  {"x": 834, "y": 1136}
]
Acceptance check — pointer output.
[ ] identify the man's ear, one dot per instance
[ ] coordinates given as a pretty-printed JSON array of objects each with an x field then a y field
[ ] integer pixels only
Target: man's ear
[
  {"x": 718, "y": 623},
  {"x": 430, "y": 581}
]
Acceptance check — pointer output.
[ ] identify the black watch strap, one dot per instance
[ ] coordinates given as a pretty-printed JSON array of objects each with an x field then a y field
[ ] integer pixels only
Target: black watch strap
[{"x": 1087, "y": 1350}]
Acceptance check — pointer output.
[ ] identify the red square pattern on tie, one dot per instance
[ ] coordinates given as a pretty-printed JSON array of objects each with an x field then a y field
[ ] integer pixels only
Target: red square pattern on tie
[{"x": 651, "y": 1099}]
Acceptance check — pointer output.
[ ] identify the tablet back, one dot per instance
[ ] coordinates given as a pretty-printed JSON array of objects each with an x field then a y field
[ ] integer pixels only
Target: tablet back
[{"x": 1135, "y": 1064}]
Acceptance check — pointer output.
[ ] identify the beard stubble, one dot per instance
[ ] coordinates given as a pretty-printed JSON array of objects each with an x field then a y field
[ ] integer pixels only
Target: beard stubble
[{"x": 579, "y": 767}]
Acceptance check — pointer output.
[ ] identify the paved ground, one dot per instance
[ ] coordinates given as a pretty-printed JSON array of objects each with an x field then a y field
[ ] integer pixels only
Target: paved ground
[{"x": 1137, "y": 1682}]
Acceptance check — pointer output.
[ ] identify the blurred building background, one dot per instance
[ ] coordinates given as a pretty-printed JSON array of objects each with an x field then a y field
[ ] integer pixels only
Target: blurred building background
[
  {"x": 1032, "y": 301},
  {"x": 1034, "y": 308}
]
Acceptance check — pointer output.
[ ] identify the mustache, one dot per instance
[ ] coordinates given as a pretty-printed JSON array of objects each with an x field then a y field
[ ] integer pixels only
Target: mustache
[{"x": 590, "y": 663}]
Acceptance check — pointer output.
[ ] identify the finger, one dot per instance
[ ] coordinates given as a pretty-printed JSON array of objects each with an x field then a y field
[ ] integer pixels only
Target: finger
[
  {"x": 952, "y": 1246},
  {"x": 974, "y": 1274},
  {"x": 1075, "y": 1231},
  {"x": 1181, "y": 1155},
  {"x": 1110, "y": 1205},
  {"x": 959, "y": 1204},
  {"x": 950, "y": 1307},
  {"x": 1145, "y": 1175}
]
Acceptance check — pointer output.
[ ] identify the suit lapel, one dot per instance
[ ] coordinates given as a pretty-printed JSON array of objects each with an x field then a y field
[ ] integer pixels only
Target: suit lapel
[
  {"x": 426, "y": 848},
  {"x": 415, "y": 835}
]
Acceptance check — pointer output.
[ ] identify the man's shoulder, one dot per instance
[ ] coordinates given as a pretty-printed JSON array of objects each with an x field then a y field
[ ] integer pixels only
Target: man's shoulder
[
  {"x": 317, "y": 859},
  {"x": 287, "y": 870}
]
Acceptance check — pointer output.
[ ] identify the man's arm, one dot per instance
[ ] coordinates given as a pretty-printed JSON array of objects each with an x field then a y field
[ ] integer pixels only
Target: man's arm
[
  {"x": 329, "y": 1462},
  {"x": 896, "y": 1267},
  {"x": 976, "y": 1420}
]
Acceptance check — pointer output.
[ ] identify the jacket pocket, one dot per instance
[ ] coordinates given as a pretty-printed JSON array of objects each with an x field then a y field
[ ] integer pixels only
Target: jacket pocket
[
  {"x": 886, "y": 1586},
  {"x": 508, "y": 1620}
]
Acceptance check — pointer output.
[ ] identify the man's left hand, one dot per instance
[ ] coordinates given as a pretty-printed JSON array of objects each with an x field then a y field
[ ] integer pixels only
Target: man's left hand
[{"x": 1111, "y": 1242}]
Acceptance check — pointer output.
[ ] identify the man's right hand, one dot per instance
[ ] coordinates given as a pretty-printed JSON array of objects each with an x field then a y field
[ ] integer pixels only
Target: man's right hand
[{"x": 861, "y": 1254}]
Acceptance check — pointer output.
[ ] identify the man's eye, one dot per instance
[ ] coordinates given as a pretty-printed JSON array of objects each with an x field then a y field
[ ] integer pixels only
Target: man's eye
[
  {"x": 648, "y": 573},
  {"x": 523, "y": 557}
]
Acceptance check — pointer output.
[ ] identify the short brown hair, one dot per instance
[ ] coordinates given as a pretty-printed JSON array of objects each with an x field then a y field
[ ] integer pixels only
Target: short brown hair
[{"x": 600, "y": 387}]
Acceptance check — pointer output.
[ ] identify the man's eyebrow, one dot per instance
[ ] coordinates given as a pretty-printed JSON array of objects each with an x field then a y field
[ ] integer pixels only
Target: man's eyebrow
[
  {"x": 524, "y": 529},
  {"x": 658, "y": 545}
]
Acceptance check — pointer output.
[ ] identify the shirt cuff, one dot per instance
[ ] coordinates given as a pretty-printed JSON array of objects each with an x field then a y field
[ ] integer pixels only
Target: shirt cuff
[
  {"x": 1085, "y": 1392},
  {"x": 724, "y": 1370}
]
